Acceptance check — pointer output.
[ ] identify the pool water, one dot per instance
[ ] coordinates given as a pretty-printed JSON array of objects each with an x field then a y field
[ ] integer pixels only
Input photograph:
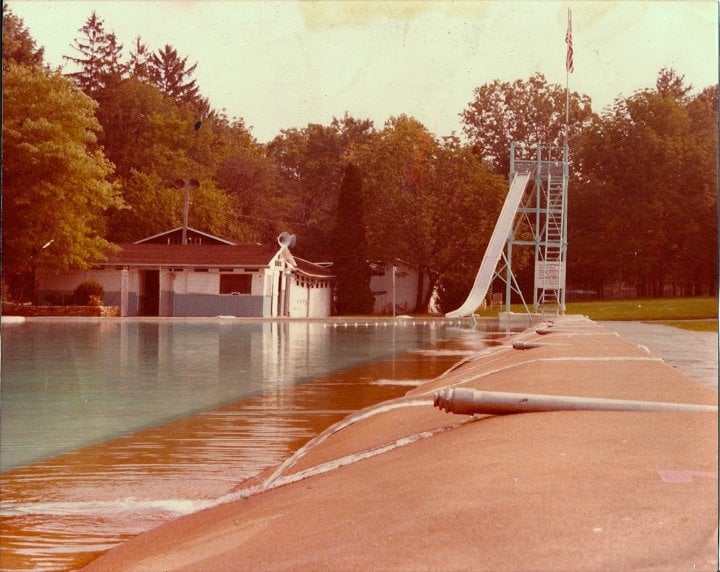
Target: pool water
[
  {"x": 68, "y": 384},
  {"x": 112, "y": 427}
]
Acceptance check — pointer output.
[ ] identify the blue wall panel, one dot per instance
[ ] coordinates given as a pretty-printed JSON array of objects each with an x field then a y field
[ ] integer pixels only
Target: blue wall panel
[{"x": 209, "y": 305}]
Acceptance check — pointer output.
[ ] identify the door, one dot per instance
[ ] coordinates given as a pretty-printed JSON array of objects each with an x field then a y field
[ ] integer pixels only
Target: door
[{"x": 150, "y": 292}]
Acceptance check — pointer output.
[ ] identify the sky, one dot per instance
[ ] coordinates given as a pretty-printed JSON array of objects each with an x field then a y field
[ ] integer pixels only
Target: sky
[{"x": 284, "y": 64}]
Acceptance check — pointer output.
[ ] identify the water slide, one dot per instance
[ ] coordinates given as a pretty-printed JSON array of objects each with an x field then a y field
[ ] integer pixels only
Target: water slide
[{"x": 495, "y": 247}]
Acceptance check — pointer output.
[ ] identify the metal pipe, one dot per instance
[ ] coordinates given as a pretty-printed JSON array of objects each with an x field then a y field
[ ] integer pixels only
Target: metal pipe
[
  {"x": 466, "y": 401},
  {"x": 521, "y": 345}
]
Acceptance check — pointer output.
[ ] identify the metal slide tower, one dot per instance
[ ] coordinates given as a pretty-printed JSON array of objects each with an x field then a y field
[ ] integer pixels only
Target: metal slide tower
[
  {"x": 540, "y": 222},
  {"x": 534, "y": 214}
]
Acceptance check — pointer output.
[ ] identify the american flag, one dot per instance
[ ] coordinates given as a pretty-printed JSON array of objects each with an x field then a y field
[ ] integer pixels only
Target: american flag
[{"x": 569, "y": 65}]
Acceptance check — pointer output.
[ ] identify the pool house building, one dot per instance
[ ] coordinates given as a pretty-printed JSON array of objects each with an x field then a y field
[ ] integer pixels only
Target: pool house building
[{"x": 205, "y": 277}]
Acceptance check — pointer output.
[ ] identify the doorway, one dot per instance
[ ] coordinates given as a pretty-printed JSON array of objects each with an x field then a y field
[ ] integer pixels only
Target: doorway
[{"x": 149, "y": 293}]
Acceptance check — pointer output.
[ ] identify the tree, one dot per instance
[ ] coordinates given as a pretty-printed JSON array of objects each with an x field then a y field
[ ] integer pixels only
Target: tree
[
  {"x": 669, "y": 83},
  {"x": 17, "y": 44},
  {"x": 139, "y": 64},
  {"x": 55, "y": 176},
  {"x": 100, "y": 59},
  {"x": 309, "y": 163},
  {"x": 154, "y": 141},
  {"x": 142, "y": 128},
  {"x": 468, "y": 197},
  {"x": 399, "y": 179},
  {"x": 646, "y": 183},
  {"x": 355, "y": 135},
  {"x": 155, "y": 205},
  {"x": 698, "y": 271},
  {"x": 433, "y": 204},
  {"x": 529, "y": 112},
  {"x": 131, "y": 113},
  {"x": 350, "y": 260},
  {"x": 252, "y": 182},
  {"x": 171, "y": 75}
]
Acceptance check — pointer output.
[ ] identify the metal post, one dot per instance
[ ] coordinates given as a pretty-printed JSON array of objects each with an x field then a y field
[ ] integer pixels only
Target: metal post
[
  {"x": 563, "y": 238},
  {"x": 187, "y": 185},
  {"x": 394, "y": 270},
  {"x": 508, "y": 246},
  {"x": 186, "y": 212},
  {"x": 538, "y": 226},
  {"x": 512, "y": 161},
  {"x": 508, "y": 274},
  {"x": 124, "y": 294}
]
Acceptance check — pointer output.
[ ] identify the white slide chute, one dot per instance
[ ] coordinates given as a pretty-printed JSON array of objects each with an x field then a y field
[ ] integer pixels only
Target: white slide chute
[{"x": 495, "y": 247}]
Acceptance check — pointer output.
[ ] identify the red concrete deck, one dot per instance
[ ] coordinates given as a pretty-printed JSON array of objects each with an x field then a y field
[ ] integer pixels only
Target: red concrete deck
[{"x": 404, "y": 486}]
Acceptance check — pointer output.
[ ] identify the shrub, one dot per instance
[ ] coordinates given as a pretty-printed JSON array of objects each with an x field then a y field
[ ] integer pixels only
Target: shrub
[{"x": 88, "y": 293}]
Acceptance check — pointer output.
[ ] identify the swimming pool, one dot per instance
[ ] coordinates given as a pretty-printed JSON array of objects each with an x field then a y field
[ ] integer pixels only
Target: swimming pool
[{"x": 70, "y": 383}]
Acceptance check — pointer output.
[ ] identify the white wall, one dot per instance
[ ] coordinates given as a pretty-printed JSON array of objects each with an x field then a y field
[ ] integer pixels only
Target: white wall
[
  {"x": 201, "y": 282},
  {"x": 320, "y": 302},
  {"x": 405, "y": 289},
  {"x": 257, "y": 286},
  {"x": 299, "y": 298},
  {"x": 308, "y": 299}
]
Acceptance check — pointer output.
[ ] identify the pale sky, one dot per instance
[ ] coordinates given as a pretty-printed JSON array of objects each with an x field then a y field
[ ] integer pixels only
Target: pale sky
[{"x": 289, "y": 63}]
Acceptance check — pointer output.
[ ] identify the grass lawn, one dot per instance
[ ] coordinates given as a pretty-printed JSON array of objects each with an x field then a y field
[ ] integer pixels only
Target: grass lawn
[
  {"x": 694, "y": 325},
  {"x": 656, "y": 309}
]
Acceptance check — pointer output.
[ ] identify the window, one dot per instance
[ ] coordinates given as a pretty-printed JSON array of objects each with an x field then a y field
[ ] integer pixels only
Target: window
[{"x": 235, "y": 283}]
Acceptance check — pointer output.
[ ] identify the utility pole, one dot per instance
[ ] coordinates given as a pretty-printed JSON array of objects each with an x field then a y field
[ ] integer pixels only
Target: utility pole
[{"x": 187, "y": 185}]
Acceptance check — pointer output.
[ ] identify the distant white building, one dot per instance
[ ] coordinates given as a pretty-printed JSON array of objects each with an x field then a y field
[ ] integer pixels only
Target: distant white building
[
  {"x": 403, "y": 289},
  {"x": 208, "y": 276}
]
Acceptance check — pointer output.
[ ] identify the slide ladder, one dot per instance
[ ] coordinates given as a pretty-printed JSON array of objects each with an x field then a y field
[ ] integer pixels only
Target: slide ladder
[
  {"x": 495, "y": 246},
  {"x": 550, "y": 256}
]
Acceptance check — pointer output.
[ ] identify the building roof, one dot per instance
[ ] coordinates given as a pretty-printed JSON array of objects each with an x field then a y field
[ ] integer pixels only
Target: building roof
[
  {"x": 194, "y": 236},
  {"x": 311, "y": 269},
  {"x": 155, "y": 255},
  {"x": 195, "y": 255}
]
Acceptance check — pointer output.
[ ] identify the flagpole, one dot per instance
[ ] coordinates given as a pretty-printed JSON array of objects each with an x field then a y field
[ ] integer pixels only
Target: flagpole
[
  {"x": 567, "y": 105},
  {"x": 568, "y": 67}
]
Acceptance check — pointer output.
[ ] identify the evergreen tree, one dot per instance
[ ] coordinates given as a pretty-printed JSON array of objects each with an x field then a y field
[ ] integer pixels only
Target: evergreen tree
[
  {"x": 139, "y": 65},
  {"x": 17, "y": 44},
  {"x": 350, "y": 261},
  {"x": 115, "y": 69},
  {"x": 100, "y": 58},
  {"x": 169, "y": 73}
]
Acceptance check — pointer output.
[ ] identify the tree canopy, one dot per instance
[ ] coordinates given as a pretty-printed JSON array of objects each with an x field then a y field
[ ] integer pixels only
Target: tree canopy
[
  {"x": 528, "y": 111},
  {"x": 99, "y": 58},
  {"x": 171, "y": 74},
  {"x": 17, "y": 45},
  {"x": 55, "y": 176},
  {"x": 644, "y": 205},
  {"x": 433, "y": 202}
]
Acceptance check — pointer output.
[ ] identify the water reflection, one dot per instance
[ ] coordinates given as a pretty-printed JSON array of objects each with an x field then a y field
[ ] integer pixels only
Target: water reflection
[
  {"x": 58, "y": 514},
  {"x": 68, "y": 384}
]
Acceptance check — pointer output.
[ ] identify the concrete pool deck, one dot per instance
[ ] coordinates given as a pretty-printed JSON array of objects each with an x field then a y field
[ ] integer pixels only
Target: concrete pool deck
[{"x": 405, "y": 486}]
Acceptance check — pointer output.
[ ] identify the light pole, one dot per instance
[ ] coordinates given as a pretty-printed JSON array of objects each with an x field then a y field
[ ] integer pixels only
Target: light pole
[
  {"x": 34, "y": 270},
  {"x": 187, "y": 185},
  {"x": 394, "y": 272}
]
